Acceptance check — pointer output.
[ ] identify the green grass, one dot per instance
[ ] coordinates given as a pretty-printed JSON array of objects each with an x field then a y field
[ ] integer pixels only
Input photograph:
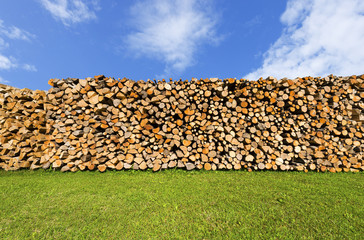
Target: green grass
[{"x": 179, "y": 205}]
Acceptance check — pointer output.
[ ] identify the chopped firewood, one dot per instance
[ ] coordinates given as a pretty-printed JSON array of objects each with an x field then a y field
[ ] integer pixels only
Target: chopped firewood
[{"x": 100, "y": 123}]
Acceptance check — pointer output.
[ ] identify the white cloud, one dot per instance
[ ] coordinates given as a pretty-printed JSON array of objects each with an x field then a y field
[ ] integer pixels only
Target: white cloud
[
  {"x": 320, "y": 37},
  {"x": 29, "y": 67},
  {"x": 3, "y": 81},
  {"x": 13, "y": 32},
  {"x": 171, "y": 31},
  {"x": 71, "y": 11},
  {"x": 3, "y": 44},
  {"x": 6, "y": 63}
]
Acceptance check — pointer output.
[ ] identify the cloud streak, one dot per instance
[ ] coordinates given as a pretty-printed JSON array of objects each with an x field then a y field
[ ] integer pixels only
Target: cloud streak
[
  {"x": 320, "y": 37},
  {"x": 71, "y": 11},
  {"x": 171, "y": 31},
  {"x": 29, "y": 67},
  {"x": 12, "y": 33},
  {"x": 3, "y": 81},
  {"x": 6, "y": 63}
]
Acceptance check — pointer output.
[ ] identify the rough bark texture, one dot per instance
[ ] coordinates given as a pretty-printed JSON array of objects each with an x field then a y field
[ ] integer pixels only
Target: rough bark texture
[{"x": 101, "y": 123}]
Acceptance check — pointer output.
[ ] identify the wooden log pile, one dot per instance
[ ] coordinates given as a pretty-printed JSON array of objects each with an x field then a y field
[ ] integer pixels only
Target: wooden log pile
[
  {"x": 24, "y": 132},
  {"x": 102, "y": 123}
]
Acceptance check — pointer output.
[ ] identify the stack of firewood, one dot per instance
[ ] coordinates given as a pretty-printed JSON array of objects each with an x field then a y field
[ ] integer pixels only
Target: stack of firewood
[
  {"x": 101, "y": 123},
  {"x": 24, "y": 133}
]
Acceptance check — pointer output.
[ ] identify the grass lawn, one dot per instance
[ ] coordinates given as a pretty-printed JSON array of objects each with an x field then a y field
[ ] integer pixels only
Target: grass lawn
[{"x": 176, "y": 204}]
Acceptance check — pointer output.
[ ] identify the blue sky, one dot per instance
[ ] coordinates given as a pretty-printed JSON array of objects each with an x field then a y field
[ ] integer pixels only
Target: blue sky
[{"x": 154, "y": 39}]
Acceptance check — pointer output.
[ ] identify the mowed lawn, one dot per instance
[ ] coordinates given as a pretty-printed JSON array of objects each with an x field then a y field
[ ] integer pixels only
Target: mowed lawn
[{"x": 176, "y": 204}]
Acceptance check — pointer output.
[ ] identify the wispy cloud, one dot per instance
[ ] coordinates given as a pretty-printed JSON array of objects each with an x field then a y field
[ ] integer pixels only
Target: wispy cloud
[
  {"x": 253, "y": 22},
  {"x": 172, "y": 31},
  {"x": 3, "y": 44},
  {"x": 6, "y": 62},
  {"x": 71, "y": 11},
  {"x": 320, "y": 37},
  {"x": 3, "y": 81},
  {"x": 12, "y": 33},
  {"x": 29, "y": 67}
]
